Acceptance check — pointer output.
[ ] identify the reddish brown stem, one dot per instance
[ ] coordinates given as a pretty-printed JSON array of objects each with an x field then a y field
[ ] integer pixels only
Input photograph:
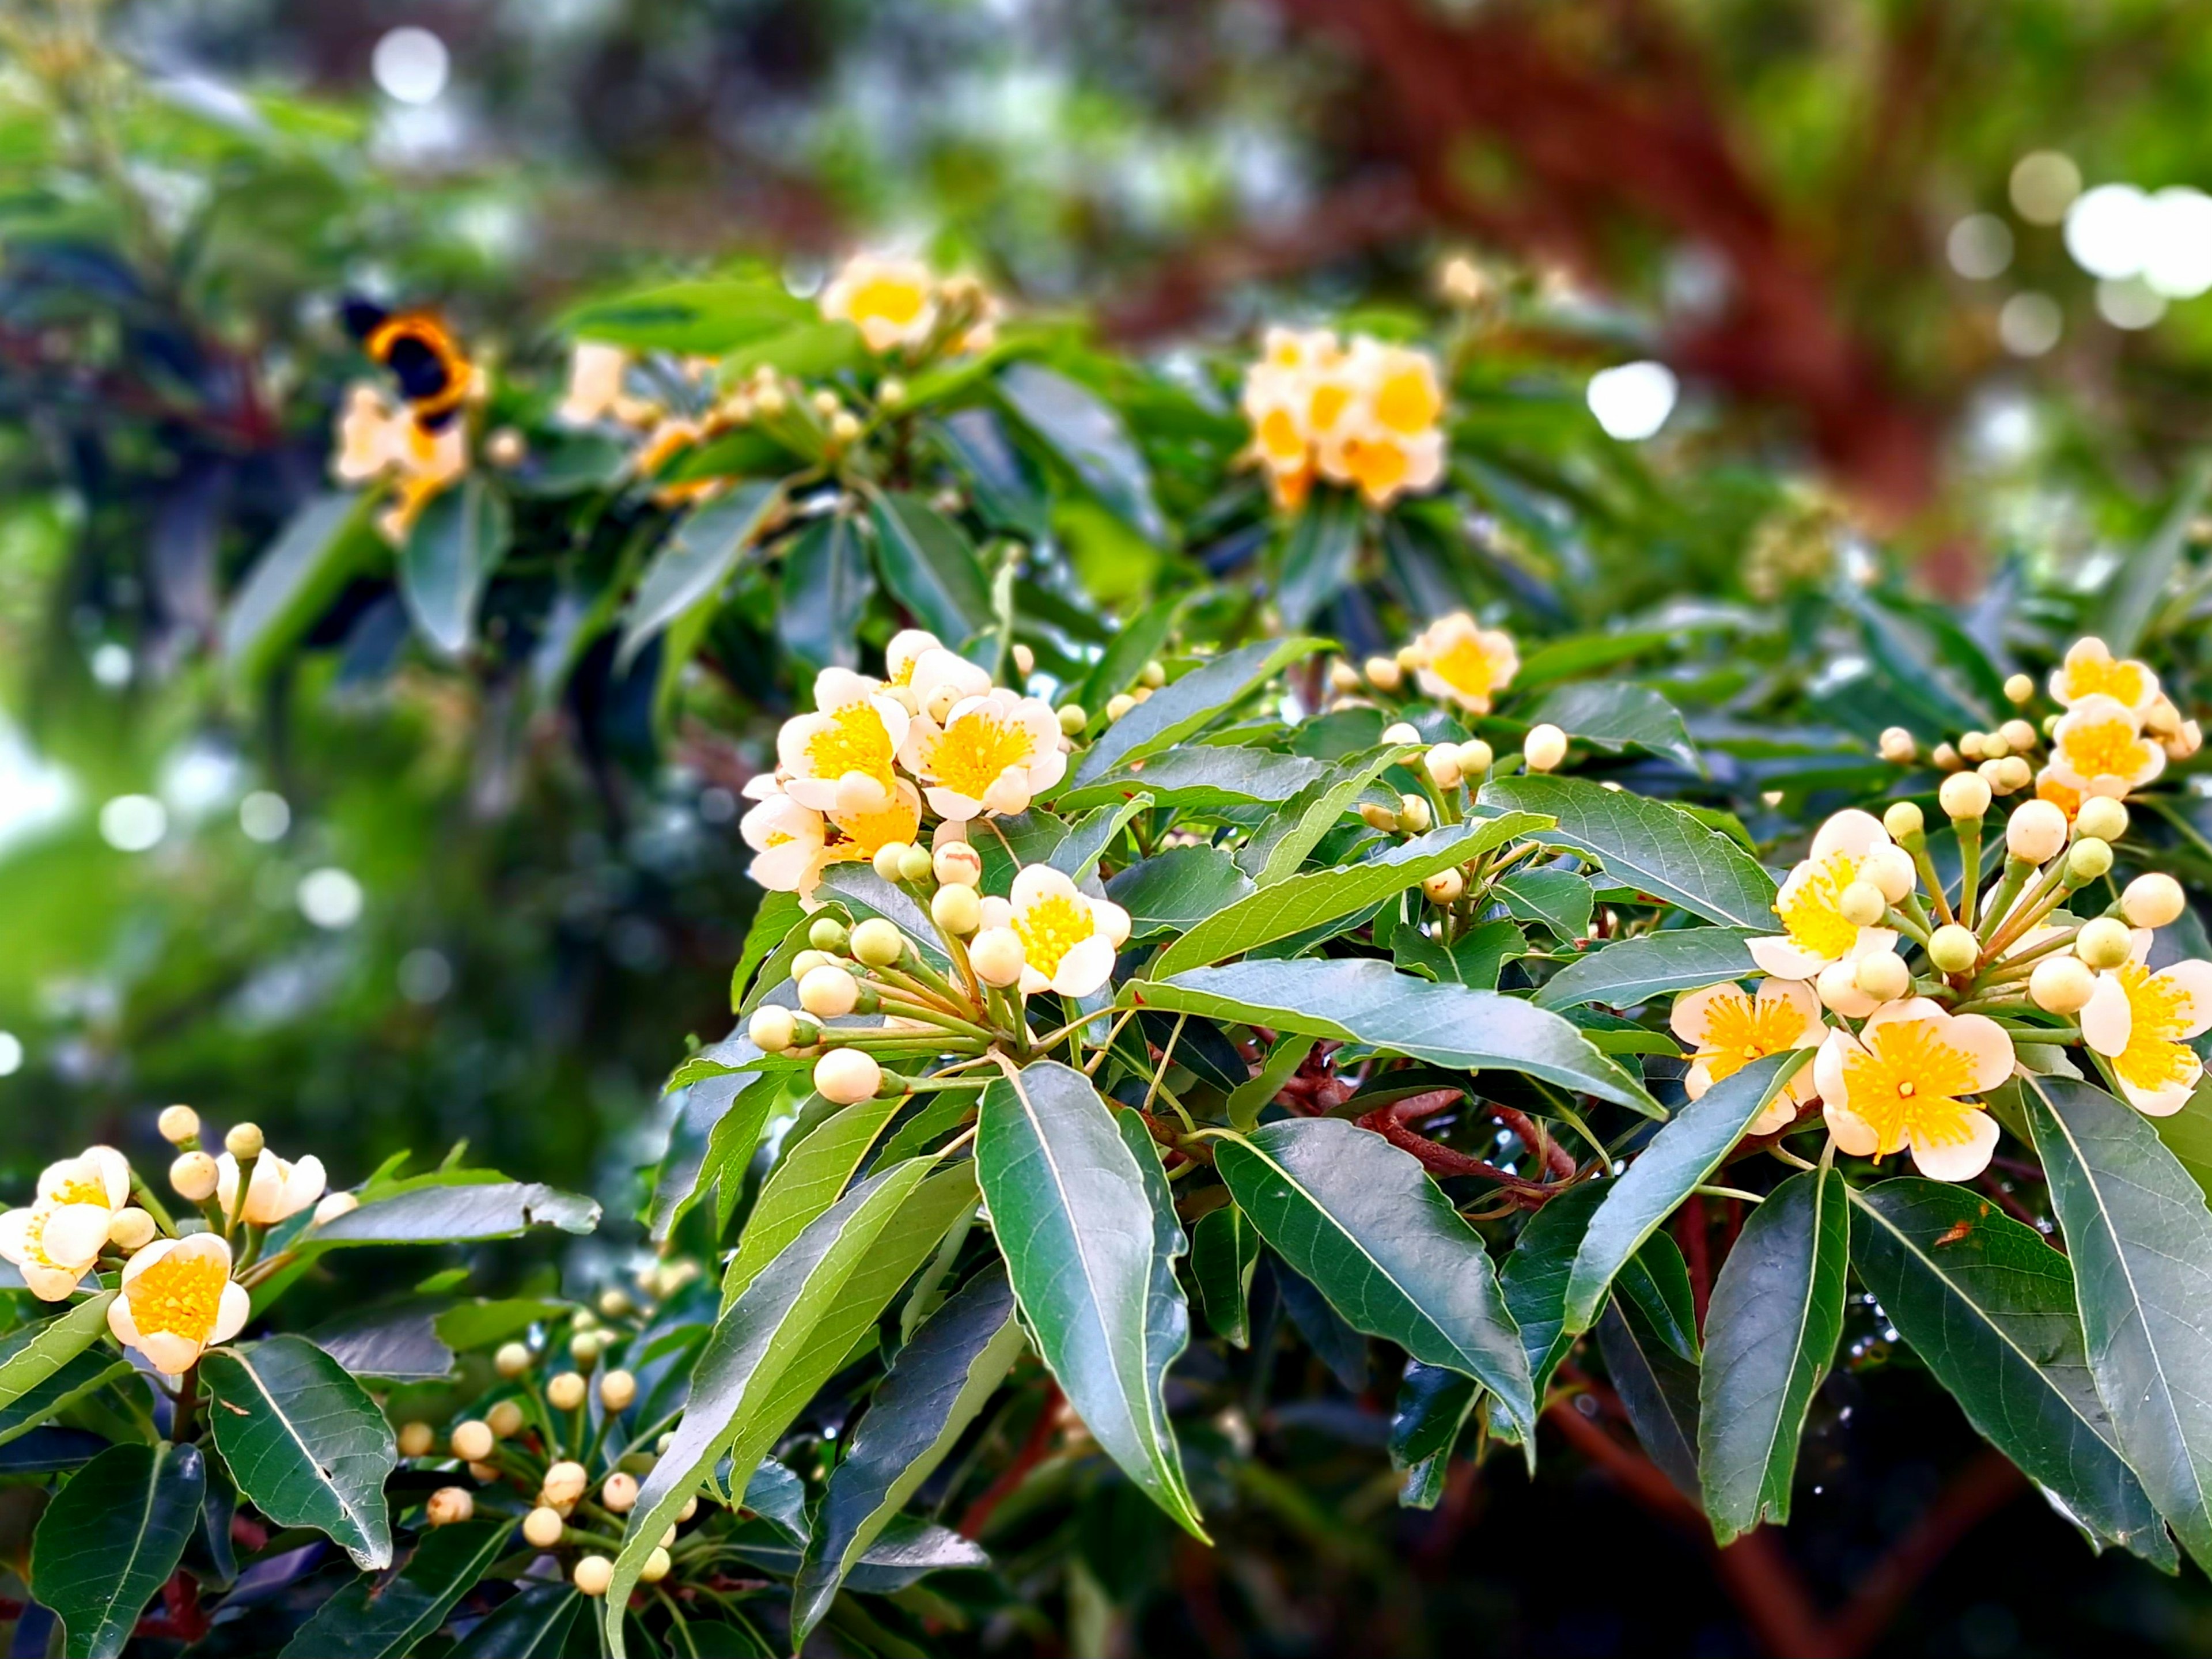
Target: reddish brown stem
[
  {"x": 978, "y": 1514},
  {"x": 1690, "y": 1234}
]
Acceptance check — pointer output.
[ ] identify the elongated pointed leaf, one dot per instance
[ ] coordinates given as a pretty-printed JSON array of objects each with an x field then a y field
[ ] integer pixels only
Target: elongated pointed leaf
[
  {"x": 1224, "y": 1248},
  {"x": 1280, "y": 846},
  {"x": 1363, "y": 1222},
  {"x": 460, "y": 1213},
  {"x": 811, "y": 1177},
  {"x": 449, "y": 558},
  {"x": 1074, "y": 1215},
  {"x": 1076, "y": 854},
  {"x": 110, "y": 1539},
  {"x": 1317, "y": 559},
  {"x": 826, "y": 585},
  {"x": 86, "y": 1373},
  {"x": 1681, "y": 1156},
  {"x": 1989, "y": 1305},
  {"x": 1612, "y": 714},
  {"x": 1136, "y": 642},
  {"x": 1533, "y": 1278},
  {"x": 1558, "y": 899},
  {"x": 1770, "y": 1333},
  {"x": 1623, "y": 974},
  {"x": 1300, "y": 902},
  {"x": 1201, "y": 778},
  {"x": 2131, "y": 597},
  {"x": 534, "y": 1624},
  {"x": 929, "y": 566},
  {"x": 1369, "y": 1001},
  {"x": 696, "y": 559},
  {"x": 1433, "y": 1405},
  {"x": 373, "y": 1618},
  {"x": 2141, "y": 1242},
  {"x": 1658, "y": 1388},
  {"x": 937, "y": 1386},
  {"x": 33, "y": 1354},
  {"x": 1089, "y": 437},
  {"x": 1177, "y": 888},
  {"x": 786, "y": 1336},
  {"x": 1175, "y": 711},
  {"x": 319, "y": 549},
  {"x": 304, "y": 1441},
  {"x": 1647, "y": 844}
]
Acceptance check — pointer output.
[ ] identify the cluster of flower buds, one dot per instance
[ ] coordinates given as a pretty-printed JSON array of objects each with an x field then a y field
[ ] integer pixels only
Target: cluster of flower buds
[{"x": 1150, "y": 679}]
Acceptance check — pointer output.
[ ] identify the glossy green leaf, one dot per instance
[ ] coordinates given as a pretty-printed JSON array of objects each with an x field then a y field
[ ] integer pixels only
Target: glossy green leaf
[
  {"x": 1299, "y": 902},
  {"x": 1089, "y": 437},
  {"x": 1319, "y": 556},
  {"x": 2140, "y": 1240},
  {"x": 1433, "y": 1405},
  {"x": 712, "y": 1142},
  {"x": 459, "y": 1213},
  {"x": 532, "y": 1624},
  {"x": 304, "y": 1441},
  {"x": 1558, "y": 899},
  {"x": 1363, "y": 1221},
  {"x": 1614, "y": 716},
  {"x": 110, "y": 1538},
  {"x": 1989, "y": 1305},
  {"x": 1250, "y": 1097},
  {"x": 1367, "y": 1001},
  {"x": 826, "y": 585},
  {"x": 36, "y": 1353},
  {"x": 82, "y": 1374},
  {"x": 1655, "y": 1285},
  {"x": 1224, "y": 1248},
  {"x": 1533, "y": 1276},
  {"x": 321, "y": 547},
  {"x": 1770, "y": 1334},
  {"x": 929, "y": 566},
  {"x": 1182, "y": 708},
  {"x": 1683, "y": 1154},
  {"x": 1657, "y": 1386},
  {"x": 1136, "y": 642},
  {"x": 1178, "y": 888},
  {"x": 1077, "y": 854},
  {"x": 2132, "y": 593},
  {"x": 707, "y": 315},
  {"x": 1650, "y": 845},
  {"x": 810, "y": 1177},
  {"x": 934, "y": 1390},
  {"x": 373, "y": 1618},
  {"x": 1646, "y": 965},
  {"x": 448, "y": 560},
  {"x": 697, "y": 558},
  {"x": 1072, "y": 1211},
  {"x": 1279, "y": 847},
  {"x": 1201, "y": 778}
]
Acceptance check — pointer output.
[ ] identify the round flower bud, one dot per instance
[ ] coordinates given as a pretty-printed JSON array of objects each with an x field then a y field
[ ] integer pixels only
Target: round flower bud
[
  {"x": 565, "y": 1482},
  {"x": 1118, "y": 704},
  {"x": 844, "y": 427},
  {"x": 415, "y": 1439},
  {"x": 2062, "y": 985},
  {"x": 541, "y": 1527},
  {"x": 2104, "y": 943},
  {"x": 2013, "y": 774},
  {"x": 1153, "y": 674},
  {"x": 656, "y": 1567},
  {"x": 1443, "y": 764},
  {"x": 2035, "y": 831},
  {"x": 914, "y": 864},
  {"x": 2018, "y": 687},
  {"x": 888, "y": 859},
  {"x": 585, "y": 1347},
  {"x": 1861, "y": 904},
  {"x": 245, "y": 1141},
  {"x": 828, "y": 933},
  {"x": 617, "y": 1389},
  {"x": 1073, "y": 719},
  {"x": 691, "y": 1508},
  {"x": 618, "y": 1492},
  {"x": 1342, "y": 676},
  {"x": 807, "y": 961},
  {"x": 1376, "y": 815},
  {"x": 2101, "y": 817},
  {"x": 334, "y": 1205},
  {"x": 772, "y": 1028},
  {"x": 1992, "y": 773},
  {"x": 957, "y": 864},
  {"x": 668, "y": 1538},
  {"x": 1544, "y": 748},
  {"x": 449, "y": 1504},
  {"x": 592, "y": 1575},
  {"x": 1475, "y": 758},
  {"x": 1897, "y": 747},
  {"x": 178, "y": 1124},
  {"x": 825, "y": 402},
  {"x": 1883, "y": 976},
  {"x": 512, "y": 1360},
  {"x": 1383, "y": 673},
  {"x": 2153, "y": 901},
  {"x": 1444, "y": 887},
  {"x": 1401, "y": 731},
  {"x": 827, "y": 992},
  {"x": 2161, "y": 719},
  {"x": 1971, "y": 746},
  {"x": 1954, "y": 949},
  {"x": 2019, "y": 735},
  {"x": 130, "y": 1229},
  {"x": 504, "y": 1419},
  {"x": 846, "y": 1076},
  {"x": 472, "y": 1440},
  {"x": 2088, "y": 860},
  {"x": 565, "y": 1391},
  {"x": 957, "y": 909},
  {"x": 1904, "y": 820},
  {"x": 1893, "y": 878},
  {"x": 996, "y": 956},
  {"x": 880, "y": 943},
  {"x": 1837, "y": 985},
  {"x": 1964, "y": 795},
  {"x": 1994, "y": 746},
  {"x": 193, "y": 1175},
  {"x": 483, "y": 1473},
  {"x": 1413, "y": 815},
  {"x": 584, "y": 1320},
  {"x": 1946, "y": 757}
]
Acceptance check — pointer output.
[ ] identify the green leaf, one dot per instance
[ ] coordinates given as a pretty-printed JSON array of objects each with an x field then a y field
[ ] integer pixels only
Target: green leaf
[
  {"x": 1069, "y": 1203},
  {"x": 321, "y": 548},
  {"x": 786, "y": 1336},
  {"x": 779, "y": 913},
  {"x": 1178, "y": 888},
  {"x": 1614, "y": 716},
  {"x": 1248, "y": 1098},
  {"x": 826, "y": 585},
  {"x": 1646, "y": 965},
  {"x": 1648, "y": 844},
  {"x": 1077, "y": 854},
  {"x": 110, "y": 1539},
  {"x": 935, "y": 1389},
  {"x": 810, "y": 1177},
  {"x": 304, "y": 1441},
  {"x": 1089, "y": 438},
  {"x": 83, "y": 1373},
  {"x": 1433, "y": 1405},
  {"x": 1533, "y": 1278},
  {"x": 713, "y": 1140},
  {"x": 532, "y": 1624},
  {"x": 2141, "y": 1243},
  {"x": 451, "y": 552},
  {"x": 929, "y": 566},
  {"x": 1682, "y": 1155},
  {"x": 1224, "y": 1248},
  {"x": 1007, "y": 490},
  {"x": 708, "y": 316},
  {"x": 1581, "y": 653},
  {"x": 1657, "y": 1386},
  {"x": 1655, "y": 1287},
  {"x": 864, "y": 894},
  {"x": 2188, "y": 1135},
  {"x": 1989, "y": 1306},
  {"x": 1317, "y": 561},
  {"x": 372, "y": 1618},
  {"x": 1299, "y": 902},
  {"x": 697, "y": 558},
  {"x": 2132, "y": 594},
  {"x": 1138, "y": 641},
  {"x": 35, "y": 1353},
  {"x": 1175, "y": 711},
  {"x": 1770, "y": 1333},
  {"x": 1368, "y": 1001},
  {"x": 1280, "y": 846},
  {"x": 1363, "y": 1221},
  {"x": 1201, "y": 778},
  {"x": 1559, "y": 899},
  {"x": 459, "y": 1213}
]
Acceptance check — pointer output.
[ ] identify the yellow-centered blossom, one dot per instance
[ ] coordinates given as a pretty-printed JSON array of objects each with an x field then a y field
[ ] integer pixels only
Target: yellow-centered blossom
[
  {"x": 54, "y": 1240},
  {"x": 1067, "y": 938},
  {"x": 992, "y": 755},
  {"x": 2097, "y": 748},
  {"x": 840, "y": 758},
  {"x": 893, "y": 302},
  {"x": 279, "y": 1188},
  {"x": 2091, "y": 671},
  {"x": 1908, "y": 1082},
  {"x": 1460, "y": 662},
  {"x": 2141, "y": 1022},
  {"x": 1850, "y": 846},
  {"x": 379, "y": 442},
  {"x": 1728, "y": 1028},
  {"x": 178, "y": 1300}
]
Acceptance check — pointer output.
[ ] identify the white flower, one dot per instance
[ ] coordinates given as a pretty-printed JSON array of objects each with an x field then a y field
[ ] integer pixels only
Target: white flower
[
  {"x": 2097, "y": 748},
  {"x": 279, "y": 1187},
  {"x": 55, "y": 1240},
  {"x": 595, "y": 382},
  {"x": 1729, "y": 1028},
  {"x": 2142, "y": 1021},
  {"x": 993, "y": 754},
  {"x": 893, "y": 302},
  {"x": 178, "y": 1299},
  {"x": 1904, "y": 1083},
  {"x": 789, "y": 840},
  {"x": 1068, "y": 938},
  {"x": 839, "y": 758},
  {"x": 1464, "y": 663},
  {"x": 2091, "y": 670},
  {"x": 941, "y": 679},
  {"x": 1850, "y": 846}
]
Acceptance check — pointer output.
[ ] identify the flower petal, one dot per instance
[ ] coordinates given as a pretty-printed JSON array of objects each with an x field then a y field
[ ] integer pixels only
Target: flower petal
[
  {"x": 1986, "y": 1045},
  {"x": 1784, "y": 958},
  {"x": 1958, "y": 1150},
  {"x": 1852, "y": 830},
  {"x": 2108, "y": 1019}
]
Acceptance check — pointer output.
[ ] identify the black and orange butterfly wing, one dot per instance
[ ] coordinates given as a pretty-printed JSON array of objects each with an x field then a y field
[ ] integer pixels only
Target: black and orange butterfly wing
[{"x": 421, "y": 356}]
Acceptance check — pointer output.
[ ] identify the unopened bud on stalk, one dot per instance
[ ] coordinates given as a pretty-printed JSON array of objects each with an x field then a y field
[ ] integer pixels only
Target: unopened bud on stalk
[
  {"x": 1544, "y": 748},
  {"x": 1413, "y": 815},
  {"x": 2013, "y": 774},
  {"x": 565, "y": 1482},
  {"x": 1445, "y": 887},
  {"x": 1883, "y": 975},
  {"x": 2019, "y": 688},
  {"x": 592, "y": 1575},
  {"x": 584, "y": 1347},
  {"x": 618, "y": 1492},
  {"x": 829, "y": 993},
  {"x": 1443, "y": 764},
  {"x": 1401, "y": 731},
  {"x": 1839, "y": 988},
  {"x": 617, "y": 1389},
  {"x": 245, "y": 1141},
  {"x": 1994, "y": 746},
  {"x": 2102, "y": 819},
  {"x": 472, "y": 1440},
  {"x": 512, "y": 1360},
  {"x": 1072, "y": 718},
  {"x": 2153, "y": 901},
  {"x": 914, "y": 866},
  {"x": 449, "y": 1504},
  {"x": 846, "y": 1076},
  {"x": 334, "y": 1205},
  {"x": 656, "y": 1567},
  {"x": 1861, "y": 904},
  {"x": 691, "y": 1508},
  {"x": 566, "y": 1391},
  {"x": 2088, "y": 859},
  {"x": 194, "y": 1175},
  {"x": 1945, "y": 757},
  {"x": 1904, "y": 820},
  {"x": 504, "y": 1419},
  {"x": 1377, "y": 816},
  {"x": 541, "y": 1527},
  {"x": 996, "y": 956},
  {"x": 2162, "y": 719},
  {"x": 1970, "y": 746},
  {"x": 2062, "y": 985},
  {"x": 1954, "y": 949},
  {"x": 1383, "y": 673},
  {"x": 1897, "y": 746},
  {"x": 130, "y": 1229},
  {"x": 2104, "y": 943},
  {"x": 615, "y": 1303},
  {"x": 415, "y": 1439},
  {"x": 2035, "y": 831},
  {"x": 1475, "y": 759},
  {"x": 178, "y": 1124},
  {"x": 958, "y": 910},
  {"x": 807, "y": 961},
  {"x": 1153, "y": 675},
  {"x": 2019, "y": 735},
  {"x": 888, "y": 859},
  {"x": 1343, "y": 678},
  {"x": 878, "y": 943},
  {"x": 1964, "y": 795},
  {"x": 1118, "y": 704},
  {"x": 772, "y": 1028},
  {"x": 828, "y": 934},
  {"x": 957, "y": 864}
]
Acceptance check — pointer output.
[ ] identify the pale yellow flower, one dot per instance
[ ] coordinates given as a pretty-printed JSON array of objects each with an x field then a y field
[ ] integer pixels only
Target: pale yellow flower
[
  {"x": 1907, "y": 1082},
  {"x": 993, "y": 754},
  {"x": 2142, "y": 1021},
  {"x": 1067, "y": 938},
  {"x": 840, "y": 758},
  {"x": 2097, "y": 748},
  {"x": 596, "y": 372},
  {"x": 1463, "y": 663},
  {"x": 178, "y": 1300},
  {"x": 54, "y": 1241},
  {"x": 893, "y": 302},
  {"x": 1728, "y": 1028},
  {"x": 2091, "y": 671},
  {"x": 1852, "y": 846},
  {"x": 278, "y": 1189}
]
